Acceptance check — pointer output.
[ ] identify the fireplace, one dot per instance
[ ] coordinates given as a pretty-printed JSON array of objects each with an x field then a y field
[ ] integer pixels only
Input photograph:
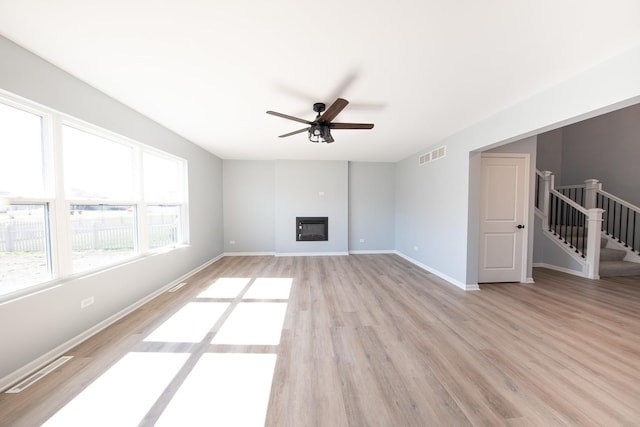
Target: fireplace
[{"x": 312, "y": 228}]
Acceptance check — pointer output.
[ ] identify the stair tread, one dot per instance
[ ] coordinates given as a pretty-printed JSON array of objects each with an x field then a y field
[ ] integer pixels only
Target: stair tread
[
  {"x": 619, "y": 268},
  {"x": 612, "y": 254}
]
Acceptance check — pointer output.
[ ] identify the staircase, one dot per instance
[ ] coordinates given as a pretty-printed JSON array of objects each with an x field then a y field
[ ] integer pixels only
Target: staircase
[
  {"x": 599, "y": 230},
  {"x": 612, "y": 259},
  {"x": 612, "y": 263}
]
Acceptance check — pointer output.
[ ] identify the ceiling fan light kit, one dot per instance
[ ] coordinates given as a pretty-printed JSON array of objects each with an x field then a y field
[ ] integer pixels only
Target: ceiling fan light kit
[{"x": 319, "y": 130}]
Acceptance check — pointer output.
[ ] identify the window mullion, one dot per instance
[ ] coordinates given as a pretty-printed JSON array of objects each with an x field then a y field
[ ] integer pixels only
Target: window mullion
[
  {"x": 61, "y": 223},
  {"x": 141, "y": 211}
]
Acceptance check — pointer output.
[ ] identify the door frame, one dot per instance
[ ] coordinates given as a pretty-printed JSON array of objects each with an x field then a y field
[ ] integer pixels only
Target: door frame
[{"x": 526, "y": 210}]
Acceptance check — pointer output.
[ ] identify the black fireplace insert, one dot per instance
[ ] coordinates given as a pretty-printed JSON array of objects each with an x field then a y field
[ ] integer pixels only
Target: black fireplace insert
[{"x": 312, "y": 228}]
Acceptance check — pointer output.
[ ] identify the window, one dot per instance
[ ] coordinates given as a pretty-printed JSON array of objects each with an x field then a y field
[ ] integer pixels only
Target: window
[
  {"x": 164, "y": 225},
  {"x": 106, "y": 200},
  {"x": 96, "y": 168},
  {"x": 24, "y": 247},
  {"x": 21, "y": 153},
  {"x": 101, "y": 235},
  {"x": 163, "y": 194},
  {"x": 24, "y": 239},
  {"x": 162, "y": 179}
]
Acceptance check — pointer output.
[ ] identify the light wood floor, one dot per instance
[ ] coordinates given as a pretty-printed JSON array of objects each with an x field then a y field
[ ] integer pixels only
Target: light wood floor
[{"x": 371, "y": 340}]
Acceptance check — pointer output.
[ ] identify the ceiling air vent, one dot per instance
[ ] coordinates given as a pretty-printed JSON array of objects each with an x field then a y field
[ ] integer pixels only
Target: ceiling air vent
[{"x": 436, "y": 154}]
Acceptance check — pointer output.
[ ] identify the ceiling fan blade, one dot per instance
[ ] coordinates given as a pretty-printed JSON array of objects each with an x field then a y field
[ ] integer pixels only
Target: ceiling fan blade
[
  {"x": 333, "y": 110},
  {"x": 294, "y": 132},
  {"x": 286, "y": 116},
  {"x": 351, "y": 125}
]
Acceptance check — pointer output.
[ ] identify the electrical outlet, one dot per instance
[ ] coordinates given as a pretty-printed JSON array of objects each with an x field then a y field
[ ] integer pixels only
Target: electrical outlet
[
  {"x": 87, "y": 302},
  {"x": 232, "y": 242}
]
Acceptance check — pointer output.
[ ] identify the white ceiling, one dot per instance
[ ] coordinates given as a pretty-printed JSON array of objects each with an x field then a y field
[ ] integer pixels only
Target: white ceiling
[{"x": 419, "y": 69}]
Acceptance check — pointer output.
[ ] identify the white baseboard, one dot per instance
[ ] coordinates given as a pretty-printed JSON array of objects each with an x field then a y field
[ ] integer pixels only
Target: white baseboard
[
  {"x": 563, "y": 270},
  {"x": 312, "y": 253},
  {"x": 464, "y": 286},
  {"x": 249, "y": 254},
  {"x": 52, "y": 355},
  {"x": 373, "y": 252}
]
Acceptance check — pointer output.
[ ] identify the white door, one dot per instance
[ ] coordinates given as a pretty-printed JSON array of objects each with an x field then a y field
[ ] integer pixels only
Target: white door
[{"x": 503, "y": 210}]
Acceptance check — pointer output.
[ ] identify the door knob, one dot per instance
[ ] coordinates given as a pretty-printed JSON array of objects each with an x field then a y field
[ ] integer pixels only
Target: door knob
[{"x": 520, "y": 226}]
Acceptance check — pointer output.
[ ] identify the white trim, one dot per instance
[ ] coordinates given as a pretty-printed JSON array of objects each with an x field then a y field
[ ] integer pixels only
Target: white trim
[
  {"x": 463, "y": 286},
  {"x": 565, "y": 247},
  {"x": 311, "y": 253},
  {"x": 564, "y": 270},
  {"x": 619, "y": 200},
  {"x": 60, "y": 350},
  {"x": 249, "y": 254},
  {"x": 526, "y": 206},
  {"x": 37, "y": 376},
  {"x": 380, "y": 251}
]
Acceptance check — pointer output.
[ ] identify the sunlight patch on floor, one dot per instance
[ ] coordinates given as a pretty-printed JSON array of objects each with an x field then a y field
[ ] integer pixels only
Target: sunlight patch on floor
[
  {"x": 190, "y": 324},
  {"x": 122, "y": 395},
  {"x": 225, "y": 287},
  {"x": 253, "y": 323},
  {"x": 225, "y": 389},
  {"x": 222, "y": 388}
]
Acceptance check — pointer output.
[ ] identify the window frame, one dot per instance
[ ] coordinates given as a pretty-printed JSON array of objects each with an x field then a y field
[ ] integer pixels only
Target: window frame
[{"x": 57, "y": 205}]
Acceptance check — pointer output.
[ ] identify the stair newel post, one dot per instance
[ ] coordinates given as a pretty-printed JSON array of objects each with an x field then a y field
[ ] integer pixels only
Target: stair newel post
[
  {"x": 594, "y": 228},
  {"x": 548, "y": 178},
  {"x": 591, "y": 187}
]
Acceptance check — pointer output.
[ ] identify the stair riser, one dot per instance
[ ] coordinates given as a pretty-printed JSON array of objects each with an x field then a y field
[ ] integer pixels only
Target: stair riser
[{"x": 607, "y": 254}]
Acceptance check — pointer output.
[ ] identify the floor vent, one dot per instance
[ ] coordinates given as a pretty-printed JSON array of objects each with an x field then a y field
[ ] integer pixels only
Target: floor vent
[
  {"x": 436, "y": 154},
  {"x": 39, "y": 375},
  {"x": 176, "y": 287}
]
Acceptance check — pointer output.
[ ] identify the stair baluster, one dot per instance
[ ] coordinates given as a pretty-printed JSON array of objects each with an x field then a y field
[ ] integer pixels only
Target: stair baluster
[{"x": 571, "y": 214}]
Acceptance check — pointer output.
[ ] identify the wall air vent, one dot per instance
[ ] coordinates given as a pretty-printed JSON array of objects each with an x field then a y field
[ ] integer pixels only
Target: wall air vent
[
  {"x": 436, "y": 154},
  {"x": 424, "y": 158}
]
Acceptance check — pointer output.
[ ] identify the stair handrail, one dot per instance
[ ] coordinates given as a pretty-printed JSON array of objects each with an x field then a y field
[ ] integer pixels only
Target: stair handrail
[
  {"x": 569, "y": 201},
  {"x": 576, "y": 193},
  {"x": 593, "y": 219},
  {"x": 627, "y": 231},
  {"x": 619, "y": 200},
  {"x": 621, "y": 220}
]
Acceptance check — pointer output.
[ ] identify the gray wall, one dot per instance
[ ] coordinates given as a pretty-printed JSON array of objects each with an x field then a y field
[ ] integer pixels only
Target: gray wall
[
  {"x": 606, "y": 148},
  {"x": 431, "y": 215},
  {"x": 548, "y": 253},
  {"x": 371, "y": 206},
  {"x": 311, "y": 188},
  {"x": 436, "y": 204},
  {"x": 549, "y": 153},
  {"x": 249, "y": 206},
  {"x": 41, "y": 322},
  {"x": 362, "y": 191}
]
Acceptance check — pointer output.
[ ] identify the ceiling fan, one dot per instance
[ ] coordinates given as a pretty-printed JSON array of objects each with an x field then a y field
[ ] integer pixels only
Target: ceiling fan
[{"x": 320, "y": 129}]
